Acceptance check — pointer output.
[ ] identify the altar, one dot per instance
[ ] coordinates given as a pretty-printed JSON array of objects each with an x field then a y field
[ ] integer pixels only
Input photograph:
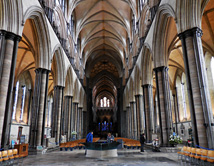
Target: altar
[{"x": 101, "y": 149}]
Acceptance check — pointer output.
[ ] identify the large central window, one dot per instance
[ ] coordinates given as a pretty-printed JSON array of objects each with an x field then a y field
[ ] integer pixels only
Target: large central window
[{"x": 104, "y": 102}]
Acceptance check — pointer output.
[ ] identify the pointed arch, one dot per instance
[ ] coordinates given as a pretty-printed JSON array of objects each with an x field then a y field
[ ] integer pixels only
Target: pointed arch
[
  {"x": 159, "y": 39},
  {"x": 131, "y": 90},
  {"x": 76, "y": 94},
  {"x": 69, "y": 83},
  {"x": 146, "y": 65},
  {"x": 44, "y": 55},
  {"x": 58, "y": 65},
  {"x": 138, "y": 81}
]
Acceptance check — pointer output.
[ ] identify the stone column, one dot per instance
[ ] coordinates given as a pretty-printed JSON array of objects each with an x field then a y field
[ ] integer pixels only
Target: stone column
[
  {"x": 79, "y": 122},
  {"x": 197, "y": 87},
  {"x": 176, "y": 111},
  {"x": 38, "y": 107},
  {"x": 164, "y": 103},
  {"x": 74, "y": 114},
  {"x": 128, "y": 122},
  {"x": 84, "y": 123},
  {"x": 8, "y": 54},
  {"x": 134, "y": 118},
  {"x": 67, "y": 115},
  {"x": 42, "y": 117},
  {"x": 157, "y": 115},
  {"x": 57, "y": 107},
  {"x": 123, "y": 124},
  {"x": 140, "y": 114},
  {"x": 29, "y": 105},
  {"x": 148, "y": 109},
  {"x": 70, "y": 117}
]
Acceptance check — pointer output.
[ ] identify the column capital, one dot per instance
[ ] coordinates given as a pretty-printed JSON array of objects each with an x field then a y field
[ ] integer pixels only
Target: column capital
[
  {"x": 68, "y": 96},
  {"x": 147, "y": 86},
  {"x": 161, "y": 68},
  {"x": 58, "y": 87},
  {"x": 75, "y": 102},
  {"x": 132, "y": 102},
  {"x": 10, "y": 35},
  {"x": 190, "y": 33},
  {"x": 138, "y": 95},
  {"x": 42, "y": 70}
]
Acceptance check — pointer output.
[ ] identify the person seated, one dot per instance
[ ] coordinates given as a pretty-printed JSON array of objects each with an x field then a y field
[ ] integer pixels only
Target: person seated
[
  {"x": 110, "y": 138},
  {"x": 156, "y": 145}
]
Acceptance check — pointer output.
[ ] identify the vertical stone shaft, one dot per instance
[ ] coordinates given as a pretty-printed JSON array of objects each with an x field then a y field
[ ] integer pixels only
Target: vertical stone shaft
[
  {"x": 164, "y": 105},
  {"x": 66, "y": 116},
  {"x": 134, "y": 114},
  {"x": 156, "y": 115},
  {"x": 59, "y": 108},
  {"x": 148, "y": 108},
  {"x": 197, "y": 87},
  {"x": 128, "y": 122},
  {"x": 70, "y": 117},
  {"x": 176, "y": 112},
  {"x": 38, "y": 106},
  {"x": 8, "y": 54},
  {"x": 5, "y": 53},
  {"x": 43, "y": 142},
  {"x": 42, "y": 109},
  {"x": 140, "y": 113},
  {"x": 74, "y": 118},
  {"x": 80, "y": 122},
  {"x": 56, "y": 113},
  {"x": 84, "y": 123}
]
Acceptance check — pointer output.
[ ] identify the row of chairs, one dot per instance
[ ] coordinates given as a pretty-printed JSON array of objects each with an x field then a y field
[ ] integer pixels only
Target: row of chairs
[
  {"x": 8, "y": 157},
  {"x": 75, "y": 144},
  {"x": 129, "y": 143},
  {"x": 196, "y": 156}
]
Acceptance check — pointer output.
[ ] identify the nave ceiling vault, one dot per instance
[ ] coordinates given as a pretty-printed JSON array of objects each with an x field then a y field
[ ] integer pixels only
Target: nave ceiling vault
[{"x": 103, "y": 32}]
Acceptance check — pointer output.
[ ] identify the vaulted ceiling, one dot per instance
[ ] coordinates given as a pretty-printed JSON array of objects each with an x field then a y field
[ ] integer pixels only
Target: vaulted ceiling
[{"x": 103, "y": 32}]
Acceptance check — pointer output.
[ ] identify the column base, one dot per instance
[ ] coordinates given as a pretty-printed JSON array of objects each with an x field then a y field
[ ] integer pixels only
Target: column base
[
  {"x": 101, "y": 153},
  {"x": 36, "y": 150}
]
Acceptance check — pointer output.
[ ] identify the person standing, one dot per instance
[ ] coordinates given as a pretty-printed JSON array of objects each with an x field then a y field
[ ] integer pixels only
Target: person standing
[
  {"x": 110, "y": 138},
  {"x": 89, "y": 137},
  {"x": 142, "y": 140}
]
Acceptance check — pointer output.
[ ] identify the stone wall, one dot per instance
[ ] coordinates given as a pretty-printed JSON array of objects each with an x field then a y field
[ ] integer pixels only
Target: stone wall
[{"x": 15, "y": 129}]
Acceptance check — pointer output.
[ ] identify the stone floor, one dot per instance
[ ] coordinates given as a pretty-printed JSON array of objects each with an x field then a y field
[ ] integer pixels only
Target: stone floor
[{"x": 125, "y": 158}]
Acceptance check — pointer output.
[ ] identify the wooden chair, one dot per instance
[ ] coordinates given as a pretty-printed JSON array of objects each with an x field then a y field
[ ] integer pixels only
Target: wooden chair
[
  {"x": 15, "y": 154},
  {"x": 180, "y": 153},
  {"x": 5, "y": 157},
  {"x": 203, "y": 156},
  {"x": 1, "y": 159},
  {"x": 197, "y": 156},
  {"x": 192, "y": 154},
  {"x": 10, "y": 154},
  {"x": 210, "y": 156},
  {"x": 187, "y": 153}
]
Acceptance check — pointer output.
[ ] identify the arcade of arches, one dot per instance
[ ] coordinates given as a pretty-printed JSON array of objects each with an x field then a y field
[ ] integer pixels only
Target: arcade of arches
[{"x": 119, "y": 66}]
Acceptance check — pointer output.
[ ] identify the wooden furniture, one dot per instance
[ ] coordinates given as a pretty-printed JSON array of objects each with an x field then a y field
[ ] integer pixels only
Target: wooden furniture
[{"x": 22, "y": 149}]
